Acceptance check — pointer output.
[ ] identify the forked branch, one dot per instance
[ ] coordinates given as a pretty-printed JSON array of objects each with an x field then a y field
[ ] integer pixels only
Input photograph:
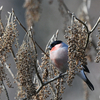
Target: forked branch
[{"x": 87, "y": 29}]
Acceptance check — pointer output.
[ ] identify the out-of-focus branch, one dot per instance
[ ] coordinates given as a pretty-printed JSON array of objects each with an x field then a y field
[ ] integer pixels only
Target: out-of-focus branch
[
  {"x": 86, "y": 92},
  {"x": 2, "y": 26},
  {"x": 4, "y": 87},
  {"x": 0, "y": 11},
  {"x": 94, "y": 45}
]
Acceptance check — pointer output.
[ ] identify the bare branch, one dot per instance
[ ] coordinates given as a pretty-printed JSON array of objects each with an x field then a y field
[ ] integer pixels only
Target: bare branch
[
  {"x": 0, "y": 11},
  {"x": 4, "y": 87},
  {"x": 27, "y": 33},
  {"x": 11, "y": 73},
  {"x": 88, "y": 32},
  {"x": 51, "y": 80},
  {"x": 94, "y": 27},
  {"x": 19, "y": 22},
  {"x": 66, "y": 8},
  {"x": 34, "y": 47},
  {"x": 35, "y": 61},
  {"x": 13, "y": 54},
  {"x": 82, "y": 23},
  {"x": 53, "y": 91},
  {"x": 72, "y": 14},
  {"x": 41, "y": 49}
]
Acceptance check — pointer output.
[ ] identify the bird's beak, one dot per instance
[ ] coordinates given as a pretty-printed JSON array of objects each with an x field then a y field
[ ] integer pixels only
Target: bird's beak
[{"x": 49, "y": 48}]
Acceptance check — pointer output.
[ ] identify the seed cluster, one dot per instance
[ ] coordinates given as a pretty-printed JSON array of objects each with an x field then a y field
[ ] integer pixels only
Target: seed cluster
[
  {"x": 25, "y": 66},
  {"x": 76, "y": 42},
  {"x": 32, "y": 11},
  {"x": 7, "y": 38},
  {"x": 97, "y": 59}
]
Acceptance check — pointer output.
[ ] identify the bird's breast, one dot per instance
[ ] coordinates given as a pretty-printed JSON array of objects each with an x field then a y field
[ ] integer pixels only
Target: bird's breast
[{"x": 59, "y": 58}]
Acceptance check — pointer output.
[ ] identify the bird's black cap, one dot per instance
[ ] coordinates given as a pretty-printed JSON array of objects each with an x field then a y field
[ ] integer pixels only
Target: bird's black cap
[{"x": 54, "y": 43}]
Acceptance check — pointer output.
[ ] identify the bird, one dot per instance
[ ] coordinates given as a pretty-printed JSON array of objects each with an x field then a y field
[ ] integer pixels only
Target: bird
[{"x": 59, "y": 58}]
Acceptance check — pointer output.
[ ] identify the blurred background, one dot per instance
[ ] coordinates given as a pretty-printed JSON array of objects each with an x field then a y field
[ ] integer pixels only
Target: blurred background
[{"x": 51, "y": 20}]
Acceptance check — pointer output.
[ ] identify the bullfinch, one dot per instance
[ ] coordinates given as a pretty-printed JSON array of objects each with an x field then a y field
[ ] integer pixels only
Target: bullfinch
[{"x": 59, "y": 57}]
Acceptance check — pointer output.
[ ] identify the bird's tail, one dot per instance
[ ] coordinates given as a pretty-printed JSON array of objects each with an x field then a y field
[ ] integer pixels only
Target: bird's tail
[
  {"x": 89, "y": 84},
  {"x": 82, "y": 75},
  {"x": 85, "y": 68}
]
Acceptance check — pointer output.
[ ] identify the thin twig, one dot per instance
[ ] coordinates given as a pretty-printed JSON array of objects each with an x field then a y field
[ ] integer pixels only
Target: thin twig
[
  {"x": 41, "y": 49},
  {"x": 66, "y": 8},
  {"x": 11, "y": 73},
  {"x": 34, "y": 48},
  {"x": 27, "y": 33},
  {"x": 1, "y": 11},
  {"x": 51, "y": 80},
  {"x": 87, "y": 29},
  {"x": 70, "y": 14},
  {"x": 87, "y": 42},
  {"x": 13, "y": 54},
  {"x": 94, "y": 27},
  {"x": 52, "y": 89},
  {"x": 34, "y": 42},
  {"x": 1, "y": 24},
  {"x": 4, "y": 87},
  {"x": 57, "y": 90},
  {"x": 35, "y": 63},
  {"x": 35, "y": 60},
  {"x": 19, "y": 22},
  {"x": 94, "y": 45},
  {"x": 82, "y": 23},
  {"x": 86, "y": 92}
]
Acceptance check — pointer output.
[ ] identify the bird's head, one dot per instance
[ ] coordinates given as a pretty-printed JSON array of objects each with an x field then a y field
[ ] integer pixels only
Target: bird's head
[{"x": 53, "y": 44}]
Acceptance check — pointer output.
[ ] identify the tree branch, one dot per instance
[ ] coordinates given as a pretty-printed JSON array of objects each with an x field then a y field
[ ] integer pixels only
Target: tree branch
[
  {"x": 41, "y": 49},
  {"x": 27, "y": 33},
  {"x": 4, "y": 87},
  {"x": 94, "y": 27},
  {"x": 70, "y": 14},
  {"x": 11, "y": 73},
  {"x": 87, "y": 29},
  {"x": 35, "y": 63},
  {"x": 34, "y": 47},
  {"x": 51, "y": 80},
  {"x": 12, "y": 52}
]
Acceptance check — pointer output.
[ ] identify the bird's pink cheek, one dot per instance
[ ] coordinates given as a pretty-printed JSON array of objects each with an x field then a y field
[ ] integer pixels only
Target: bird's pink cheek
[{"x": 55, "y": 47}]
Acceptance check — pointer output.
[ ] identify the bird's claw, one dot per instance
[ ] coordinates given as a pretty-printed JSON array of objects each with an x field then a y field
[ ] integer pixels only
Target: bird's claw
[{"x": 60, "y": 75}]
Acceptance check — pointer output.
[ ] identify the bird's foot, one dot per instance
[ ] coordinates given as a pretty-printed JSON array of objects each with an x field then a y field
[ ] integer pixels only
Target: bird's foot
[{"x": 60, "y": 75}]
